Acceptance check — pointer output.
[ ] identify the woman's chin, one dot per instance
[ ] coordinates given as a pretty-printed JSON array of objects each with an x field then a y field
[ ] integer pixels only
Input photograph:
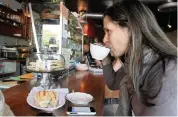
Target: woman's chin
[{"x": 116, "y": 55}]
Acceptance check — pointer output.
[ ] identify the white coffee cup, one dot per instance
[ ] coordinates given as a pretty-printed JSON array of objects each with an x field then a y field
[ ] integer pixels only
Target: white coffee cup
[{"x": 98, "y": 52}]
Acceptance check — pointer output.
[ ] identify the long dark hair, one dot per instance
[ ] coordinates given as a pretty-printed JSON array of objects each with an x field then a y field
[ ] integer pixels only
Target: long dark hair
[{"x": 145, "y": 33}]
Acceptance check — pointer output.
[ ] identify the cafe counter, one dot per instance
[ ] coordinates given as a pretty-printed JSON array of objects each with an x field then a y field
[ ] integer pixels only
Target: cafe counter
[{"x": 78, "y": 81}]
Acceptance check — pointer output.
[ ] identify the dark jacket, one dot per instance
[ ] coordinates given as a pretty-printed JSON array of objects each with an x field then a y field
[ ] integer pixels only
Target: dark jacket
[{"x": 166, "y": 100}]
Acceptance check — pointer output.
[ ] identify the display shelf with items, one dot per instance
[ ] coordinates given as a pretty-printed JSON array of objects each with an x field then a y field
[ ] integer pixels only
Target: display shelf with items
[
  {"x": 10, "y": 21},
  {"x": 9, "y": 14},
  {"x": 13, "y": 21},
  {"x": 74, "y": 39}
]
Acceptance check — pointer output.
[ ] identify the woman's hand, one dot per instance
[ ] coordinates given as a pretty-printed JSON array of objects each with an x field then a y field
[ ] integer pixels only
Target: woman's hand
[{"x": 98, "y": 62}]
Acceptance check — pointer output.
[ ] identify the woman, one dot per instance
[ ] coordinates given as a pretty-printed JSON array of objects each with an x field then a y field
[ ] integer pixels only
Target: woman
[{"x": 147, "y": 75}]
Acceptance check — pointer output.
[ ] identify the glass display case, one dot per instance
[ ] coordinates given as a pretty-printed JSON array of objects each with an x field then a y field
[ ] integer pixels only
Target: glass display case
[
  {"x": 58, "y": 39},
  {"x": 46, "y": 64}
]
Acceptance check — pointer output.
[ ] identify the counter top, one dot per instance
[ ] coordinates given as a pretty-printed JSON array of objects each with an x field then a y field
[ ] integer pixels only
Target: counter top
[{"x": 82, "y": 81}]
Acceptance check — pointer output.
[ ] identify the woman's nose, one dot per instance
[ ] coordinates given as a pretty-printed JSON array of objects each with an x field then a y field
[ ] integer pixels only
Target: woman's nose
[
  {"x": 105, "y": 38},
  {"x": 106, "y": 42}
]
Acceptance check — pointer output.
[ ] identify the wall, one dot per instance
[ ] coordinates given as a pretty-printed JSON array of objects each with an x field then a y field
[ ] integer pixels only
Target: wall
[{"x": 12, "y": 4}]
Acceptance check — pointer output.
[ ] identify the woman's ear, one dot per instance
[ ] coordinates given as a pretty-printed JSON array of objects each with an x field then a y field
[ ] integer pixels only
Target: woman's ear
[{"x": 129, "y": 32}]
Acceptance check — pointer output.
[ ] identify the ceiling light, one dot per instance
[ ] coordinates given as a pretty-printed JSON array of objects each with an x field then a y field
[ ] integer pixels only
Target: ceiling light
[{"x": 169, "y": 25}]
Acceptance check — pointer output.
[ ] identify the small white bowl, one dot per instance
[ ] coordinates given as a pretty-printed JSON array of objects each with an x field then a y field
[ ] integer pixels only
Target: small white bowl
[
  {"x": 98, "y": 52},
  {"x": 81, "y": 67},
  {"x": 79, "y": 98}
]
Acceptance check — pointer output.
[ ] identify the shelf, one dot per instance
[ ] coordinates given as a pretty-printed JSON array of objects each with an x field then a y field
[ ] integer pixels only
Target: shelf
[
  {"x": 20, "y": 37},
  {"x": 10, "y": 20},
  {"x": 15, "y": 37},
  {"x": 11, "y": 25}
]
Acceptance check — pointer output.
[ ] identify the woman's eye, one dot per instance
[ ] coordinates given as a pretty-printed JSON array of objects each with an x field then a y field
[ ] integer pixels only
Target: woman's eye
[{"x": 107, "y": 31}]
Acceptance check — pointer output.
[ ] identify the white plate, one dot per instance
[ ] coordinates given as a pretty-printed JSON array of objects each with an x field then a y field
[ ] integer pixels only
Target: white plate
[
  {"x": 61, "y": 101},
  {"x": 79, "y": 98}
]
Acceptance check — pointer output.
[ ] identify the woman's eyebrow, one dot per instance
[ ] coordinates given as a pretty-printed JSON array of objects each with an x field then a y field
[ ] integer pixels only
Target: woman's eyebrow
[{"x": 105, "y": 28}]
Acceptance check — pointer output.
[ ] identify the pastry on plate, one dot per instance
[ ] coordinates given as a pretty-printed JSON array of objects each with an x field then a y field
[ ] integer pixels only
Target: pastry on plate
[
  {"x": 42, "y": 98},
  {"x": 45, "y": 99},
  {"x": 54, "y": 98}
]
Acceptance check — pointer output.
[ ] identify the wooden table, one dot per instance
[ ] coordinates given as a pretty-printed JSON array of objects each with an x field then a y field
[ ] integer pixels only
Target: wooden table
[{"x": 16, "y": 96}]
